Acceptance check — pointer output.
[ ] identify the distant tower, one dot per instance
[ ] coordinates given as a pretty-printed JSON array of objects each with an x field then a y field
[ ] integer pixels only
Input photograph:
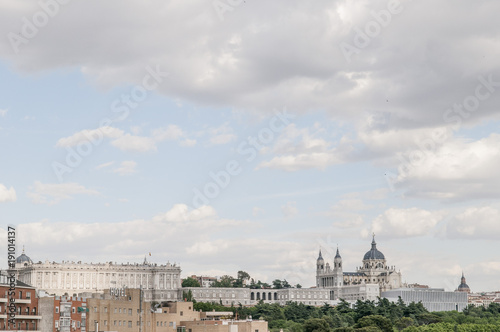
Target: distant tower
[
  {"x": 320, "y": 267},
  {"x": 337, "y": 269},
  {"x": 463, "y": 287}
]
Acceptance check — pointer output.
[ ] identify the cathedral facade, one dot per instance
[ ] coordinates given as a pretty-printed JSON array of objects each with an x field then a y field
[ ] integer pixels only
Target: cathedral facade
[{"x": 373, "y": 271}]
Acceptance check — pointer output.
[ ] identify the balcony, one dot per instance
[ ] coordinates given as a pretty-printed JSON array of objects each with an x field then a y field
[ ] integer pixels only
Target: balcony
[
  {"x": 5, "y": 300},
  {"x": 18, "y": 316}
]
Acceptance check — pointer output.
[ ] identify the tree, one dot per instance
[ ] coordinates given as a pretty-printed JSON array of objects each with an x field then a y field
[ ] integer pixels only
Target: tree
[
  {"x": 277, "y": 284},
  {"x": 316, "y": 325},
  {"x": 225, "y": 281},
  {"x": 188, "y": 296},
  {"x": 190, "y": 282},
  {"x": 242, "y": 275},
  {"x": 384, "y": 324},
  {"x": 298, "y": 286},
  {"x": 404, "y": 322}
]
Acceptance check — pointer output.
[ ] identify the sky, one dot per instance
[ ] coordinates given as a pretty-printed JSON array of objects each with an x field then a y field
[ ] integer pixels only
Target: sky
[{"x": 247, "y": 135}]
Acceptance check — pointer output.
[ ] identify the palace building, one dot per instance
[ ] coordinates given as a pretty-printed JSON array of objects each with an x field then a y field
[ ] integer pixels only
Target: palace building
[
  {"x": 373, "y": 271},
  {"x": 159, "y": 282}
]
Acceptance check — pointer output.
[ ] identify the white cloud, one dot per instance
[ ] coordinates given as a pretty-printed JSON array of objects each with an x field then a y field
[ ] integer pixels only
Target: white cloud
[
  {"x": 53, "y": 193},
  {"x": 94, "y": 136},
  {"x": 170, "y": 133},
  {"x": 133, "y": 143},
  {"x": 126, "y": 141},
  {"x": 129, "y": 237},
  {"x": 456, "y": 170},
  {"x": 104, "y": 165},
  {"x": 400, "y": 223},
  {"x": 221, "y": 135},
  {"x": 475, "y": 223},
  {"x": 188, "y": 142},
  {"x": 7, "y": 194},
  {"x": 346, "y": 213},
  {"x": 127, "y": 167},
  {"x": 257, "y": 211},
  {"x": 299, "y": 149},
  {"x": 289, "y": 209},
  {"x": 181, "y": 213},
  {"x": 241, "y": 69}
]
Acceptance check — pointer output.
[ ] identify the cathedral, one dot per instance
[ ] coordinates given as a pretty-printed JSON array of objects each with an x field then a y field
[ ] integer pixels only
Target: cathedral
[{"x": 374, "y": 270}]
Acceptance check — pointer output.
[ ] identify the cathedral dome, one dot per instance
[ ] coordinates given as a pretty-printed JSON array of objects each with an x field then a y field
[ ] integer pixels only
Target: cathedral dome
[
  {"x": 373, "y": 253},
  {"x": 24, "y": 259},
  {"x": 463, "y": 287}
]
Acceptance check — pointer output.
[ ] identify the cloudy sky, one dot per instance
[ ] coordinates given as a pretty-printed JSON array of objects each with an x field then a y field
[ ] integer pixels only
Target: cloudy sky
[{"x": 235, "y": 135}]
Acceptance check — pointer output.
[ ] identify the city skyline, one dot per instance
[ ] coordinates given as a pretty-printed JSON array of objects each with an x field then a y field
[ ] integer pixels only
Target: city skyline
[{"x": 249, "y": 135}]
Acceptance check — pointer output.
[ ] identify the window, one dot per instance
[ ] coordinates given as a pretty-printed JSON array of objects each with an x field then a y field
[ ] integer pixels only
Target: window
[
  {"x": 57, "y": 310},
  {"x": 105, "y": 323},
  {"x": 130, "y": 312},
  {"x": 120, "y": 323},
  {"x": 57, "y": 324},
  {"x": 114, "y": 323},
  {"x": 120, "y": 310},
  {"x": 170, "y": 323},
  {"x": 95, "y": 309},
  {"x": 116, "y": 310},
  {"x": 129, "y": 323},
  {"x": 157, "y": 323},
  {"x": 28, "y": 295},
  {"x": 20, "y": 294},
  {"x": 105, "y": 309},
  {"x": 182, "y": 313},
  {"x": 78, "y": 324},
  {"x": 73, "y": 309}
]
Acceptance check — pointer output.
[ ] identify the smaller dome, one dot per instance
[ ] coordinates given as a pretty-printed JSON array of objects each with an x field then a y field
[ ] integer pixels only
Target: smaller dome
[
  {"x": 463, "y": 286},
  {"x": 24, "y": 259}
]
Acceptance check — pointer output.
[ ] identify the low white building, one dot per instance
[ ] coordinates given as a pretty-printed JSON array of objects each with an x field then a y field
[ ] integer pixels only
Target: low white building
[
  {"x": 308, "y": 296},
  {"x": 433, "y": 299},
  {"x": 361, "y": 292}
]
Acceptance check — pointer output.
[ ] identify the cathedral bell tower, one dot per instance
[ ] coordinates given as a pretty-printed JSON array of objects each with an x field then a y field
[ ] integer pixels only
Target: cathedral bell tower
[
  {"x": 320, "y": 268},
  {"x": 337, "y": 270}
]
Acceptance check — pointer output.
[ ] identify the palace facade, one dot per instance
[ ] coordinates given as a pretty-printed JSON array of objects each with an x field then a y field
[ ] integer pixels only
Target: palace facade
[{"x": 159, "y": 282}]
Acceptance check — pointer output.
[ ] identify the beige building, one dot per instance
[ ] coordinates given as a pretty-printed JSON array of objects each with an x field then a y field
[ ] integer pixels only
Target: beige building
[{"x": 122, "y": 311}]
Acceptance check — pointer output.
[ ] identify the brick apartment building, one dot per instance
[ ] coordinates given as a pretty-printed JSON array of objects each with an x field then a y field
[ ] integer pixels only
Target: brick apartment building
[{"x": 26, "y": 303}]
